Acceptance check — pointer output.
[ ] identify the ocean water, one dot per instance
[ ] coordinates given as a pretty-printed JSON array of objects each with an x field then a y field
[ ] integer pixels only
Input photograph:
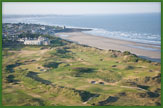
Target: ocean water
[{"x": 143, "y": 28}]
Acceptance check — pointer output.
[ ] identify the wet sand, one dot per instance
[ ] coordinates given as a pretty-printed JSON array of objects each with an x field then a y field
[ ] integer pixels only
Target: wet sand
[{"x": 147, "y": 51}]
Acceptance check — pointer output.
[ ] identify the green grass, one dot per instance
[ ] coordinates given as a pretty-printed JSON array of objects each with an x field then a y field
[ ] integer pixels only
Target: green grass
[
  {"x": 70, "y": 68},
  {"x": 20, "y": 98}
]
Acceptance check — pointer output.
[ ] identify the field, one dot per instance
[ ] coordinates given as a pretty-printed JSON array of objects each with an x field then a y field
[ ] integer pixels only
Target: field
[{"x": 69, "y": 74}]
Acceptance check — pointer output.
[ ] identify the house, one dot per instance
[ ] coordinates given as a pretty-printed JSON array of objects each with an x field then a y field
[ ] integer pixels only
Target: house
[
  {"x": 42, "y": 28},
  {"x": 39, "y": 41}
]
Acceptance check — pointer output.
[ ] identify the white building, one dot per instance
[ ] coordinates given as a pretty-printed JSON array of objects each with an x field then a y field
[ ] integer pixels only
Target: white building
[
  {"x": 39, "y": 41},
  {"x": 43, "y": 28}
]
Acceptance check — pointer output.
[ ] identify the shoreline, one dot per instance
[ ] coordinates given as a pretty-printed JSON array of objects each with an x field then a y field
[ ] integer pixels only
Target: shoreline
[{"x": 142, "y": 50}]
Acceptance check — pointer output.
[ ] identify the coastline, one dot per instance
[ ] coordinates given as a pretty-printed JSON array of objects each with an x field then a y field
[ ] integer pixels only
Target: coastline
[{"x": 143, "y": 50}]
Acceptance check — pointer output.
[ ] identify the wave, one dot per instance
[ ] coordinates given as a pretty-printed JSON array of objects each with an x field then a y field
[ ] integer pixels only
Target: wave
[{"x": 130, "y": 36}]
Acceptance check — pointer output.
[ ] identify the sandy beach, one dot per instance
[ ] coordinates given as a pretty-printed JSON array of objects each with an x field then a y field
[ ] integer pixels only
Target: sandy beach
[{"x": 147, "y": 51}]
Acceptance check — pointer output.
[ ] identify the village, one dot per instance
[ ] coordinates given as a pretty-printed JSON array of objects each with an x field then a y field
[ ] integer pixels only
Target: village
[
  {"x": 15, "y": 29},
  {"x": 27, "y": 34},
  {"x": 31, "y": 34}
]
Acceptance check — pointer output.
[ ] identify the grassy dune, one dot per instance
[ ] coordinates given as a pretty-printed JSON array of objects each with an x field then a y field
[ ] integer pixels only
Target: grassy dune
[{"x": 63, "y": 75}]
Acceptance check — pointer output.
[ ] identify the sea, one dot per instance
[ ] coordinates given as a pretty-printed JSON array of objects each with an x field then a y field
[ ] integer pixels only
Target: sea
[{"x": 143, "y": 28}]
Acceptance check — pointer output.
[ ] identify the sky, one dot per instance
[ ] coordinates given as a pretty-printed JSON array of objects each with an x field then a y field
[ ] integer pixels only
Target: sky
[{"x": 79, "y": 8}]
